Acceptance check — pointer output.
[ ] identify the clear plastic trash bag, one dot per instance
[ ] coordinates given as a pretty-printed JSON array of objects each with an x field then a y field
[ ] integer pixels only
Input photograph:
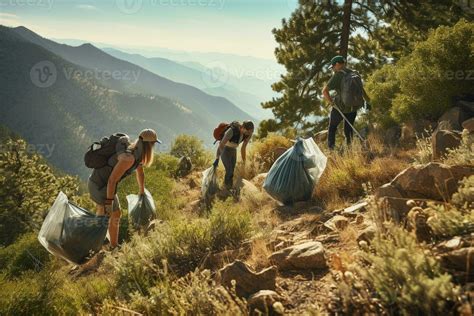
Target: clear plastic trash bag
[
  {"x": 209, "y": 183},
  {"x": 71, "y": 232},
  {"x": 295, "y": 174},
  {"x": 141, "y": 209}
]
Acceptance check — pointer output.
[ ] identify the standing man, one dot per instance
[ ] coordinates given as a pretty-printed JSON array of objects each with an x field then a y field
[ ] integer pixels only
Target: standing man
[
  {"x": 235, "y": 134},
  {"x": 348, "y": 87}
]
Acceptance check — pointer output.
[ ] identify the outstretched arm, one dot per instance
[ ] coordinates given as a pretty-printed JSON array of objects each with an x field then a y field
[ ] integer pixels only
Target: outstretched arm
[{"x": 141, "y": 179}]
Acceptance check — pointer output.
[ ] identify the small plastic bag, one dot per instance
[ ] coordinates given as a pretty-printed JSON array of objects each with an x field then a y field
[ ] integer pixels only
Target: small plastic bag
[
  {"x": 71, "y": 232},
  {"x": 209, "y": 183},
  {"x": 141, "y": 209},
  {"x": 295, "y": 174}
]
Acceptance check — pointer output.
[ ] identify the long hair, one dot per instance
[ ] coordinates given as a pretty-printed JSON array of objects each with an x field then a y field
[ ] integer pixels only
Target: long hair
[{"x": 147, "y": 154}]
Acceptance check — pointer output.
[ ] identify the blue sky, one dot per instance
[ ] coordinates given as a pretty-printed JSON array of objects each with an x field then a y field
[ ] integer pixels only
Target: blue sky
[{"x": 240, "y": 27}]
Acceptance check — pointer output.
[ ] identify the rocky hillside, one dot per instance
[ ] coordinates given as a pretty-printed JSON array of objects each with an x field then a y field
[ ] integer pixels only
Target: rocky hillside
[{"x": 402, "y": 244}]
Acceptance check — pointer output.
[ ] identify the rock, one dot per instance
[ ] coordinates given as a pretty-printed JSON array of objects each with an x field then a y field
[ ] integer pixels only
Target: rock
[
  {"x": 453, "y": 243},
  {"x": 359, "y": 207},
  {"x": 309, "y": 255},
  {"x": 460, "y": 260},
  {"x": 367, "y": 234},
  {"x": 263, "y": 302},
  {"x": 359, "y": 219},
  {"x": 247, "y": 280},
  {"x": 259, "y": 179},
  {"x": 184, "y": 167},
  {"x": 442, "y": 140},
  {"x": 469, "y": 125},
  {"x": 387, "y": 190},
  {"x": 454, "y": 117},
  {"x": 413, "y": 129},
  {"x": 338, "y": 222},
  {"x": 433, "y": 181}
]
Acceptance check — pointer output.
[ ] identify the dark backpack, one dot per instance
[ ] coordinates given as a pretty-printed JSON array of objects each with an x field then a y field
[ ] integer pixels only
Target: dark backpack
[
  {"x": 352, "y": 91},
  {"x": 99, "y": 152}
]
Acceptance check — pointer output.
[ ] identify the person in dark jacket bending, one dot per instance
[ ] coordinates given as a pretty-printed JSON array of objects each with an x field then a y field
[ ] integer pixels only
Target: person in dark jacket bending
[{"x": 235, "y": 134}]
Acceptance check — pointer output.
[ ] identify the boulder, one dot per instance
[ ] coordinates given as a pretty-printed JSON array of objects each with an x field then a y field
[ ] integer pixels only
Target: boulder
[
  {"x": 454, "y": 117},
  {"x": 309, "y": 255},
  {"x": 433, "y": 181},
  {"x": 247, "y": 281},
  {"x": 442, "y": 140},
  {"x": 469, "y": 125},
  {"x": 184, "y": 167},
  {"x": 262, "y": 303},
  {"x": 336, "y": 223},
  {"x": 413, "y": 129},
  {"x": 387, "y": 190},
  {"x": 460, "y": 260},
  {"x": 367, "y": 234}
]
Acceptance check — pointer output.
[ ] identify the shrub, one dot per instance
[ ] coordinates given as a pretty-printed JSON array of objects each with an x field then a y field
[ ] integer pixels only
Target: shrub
[
  {"x": 25, "y": 254},
  {"x": 347, "y": 172},
  {"x": 457, "y": 218},
  {"x": 464, "y": 154},
  {"x": 182, "y": 243},
  {"x": 230, "y": 224},
  {"x": 401, "y": 275},
  {"x": 195, "y": 294},
  {"x": 424, "y": 152},
  {"x": 192, "y": 147},
  {"x": 424, "y": 83},
  {"x": 264, "y": 149},
  {"x": 166, "y": 163}
]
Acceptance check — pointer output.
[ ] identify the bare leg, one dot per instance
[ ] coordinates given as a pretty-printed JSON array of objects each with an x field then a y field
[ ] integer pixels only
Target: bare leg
[{"x": 114, "y": 224}]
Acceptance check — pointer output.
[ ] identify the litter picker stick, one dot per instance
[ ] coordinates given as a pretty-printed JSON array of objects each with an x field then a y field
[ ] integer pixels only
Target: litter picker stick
[{"x": 347, "y": 121}]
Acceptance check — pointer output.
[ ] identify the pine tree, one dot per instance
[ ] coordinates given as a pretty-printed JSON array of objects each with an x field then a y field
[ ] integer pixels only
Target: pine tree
[{"x": 28, "y": 188}]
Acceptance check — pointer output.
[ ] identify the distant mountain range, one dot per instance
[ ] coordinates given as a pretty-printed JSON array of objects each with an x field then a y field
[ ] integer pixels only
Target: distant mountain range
[
  {"x": 66, "y": 97},
  {"x": 215, "y": 81}
]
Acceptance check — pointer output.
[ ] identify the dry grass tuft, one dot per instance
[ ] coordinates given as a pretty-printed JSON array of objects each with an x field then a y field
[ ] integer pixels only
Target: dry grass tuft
[{"x": 259, "y": 254}]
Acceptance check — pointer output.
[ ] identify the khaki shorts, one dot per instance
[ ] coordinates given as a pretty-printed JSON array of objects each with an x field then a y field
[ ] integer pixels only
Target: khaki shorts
[{"x": 99, "y": 195}]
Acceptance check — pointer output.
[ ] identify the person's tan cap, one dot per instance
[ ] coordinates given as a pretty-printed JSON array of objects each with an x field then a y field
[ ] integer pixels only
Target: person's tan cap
[{"x": 149, "y": 135}]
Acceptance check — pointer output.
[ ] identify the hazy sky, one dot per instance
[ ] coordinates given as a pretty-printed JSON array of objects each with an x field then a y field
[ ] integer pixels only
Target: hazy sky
[{"x": 240, "y": 27}]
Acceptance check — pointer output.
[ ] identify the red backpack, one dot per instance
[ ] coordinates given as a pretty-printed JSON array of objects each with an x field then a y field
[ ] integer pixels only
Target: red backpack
[{"x": 220, "y": 130}]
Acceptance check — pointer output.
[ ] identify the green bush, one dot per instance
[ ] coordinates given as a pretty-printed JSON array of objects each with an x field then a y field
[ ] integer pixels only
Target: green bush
[
  {"x": 192, "y": 147},
  {"x": 166, "y": 163},
  {"x": 456, "y": 218},
  {"x": 464, "y": 154},
  {"x": 180, "y": 244},
  {"x": 423, "y": 83},
  {"x": 25, "y": 254},
  {"x": 195, "y": 294},
  {"x": 397, "y": 276},
  {"x": 230, "y": 225}
]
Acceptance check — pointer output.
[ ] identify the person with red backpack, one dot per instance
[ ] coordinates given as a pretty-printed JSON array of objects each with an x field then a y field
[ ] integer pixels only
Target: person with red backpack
[
  {"x": 350, "y": 96},
  {"x": 230, "y": 137},
  {"x": 113, "y": 159}
]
